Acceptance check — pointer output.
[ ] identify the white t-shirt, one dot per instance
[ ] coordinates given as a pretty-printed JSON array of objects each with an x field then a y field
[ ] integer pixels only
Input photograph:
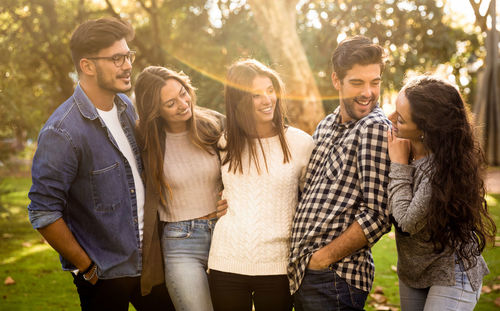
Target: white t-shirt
[{"x": 112, "y": 122}]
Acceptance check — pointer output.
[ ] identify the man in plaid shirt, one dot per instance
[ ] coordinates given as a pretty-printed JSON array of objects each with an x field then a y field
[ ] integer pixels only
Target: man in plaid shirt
[{"x": 343, "y": 207}]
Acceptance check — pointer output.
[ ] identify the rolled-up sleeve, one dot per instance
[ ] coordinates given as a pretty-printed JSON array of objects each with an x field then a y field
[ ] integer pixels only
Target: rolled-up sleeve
[
  {"x": 373, "y": 168},
  {"x": 53, "y": 171}
]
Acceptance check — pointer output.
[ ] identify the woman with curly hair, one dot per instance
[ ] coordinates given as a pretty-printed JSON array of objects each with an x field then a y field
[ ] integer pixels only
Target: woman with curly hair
[
  {"x": 437, "y": 198},
  {"x": 182, "y": 173}
]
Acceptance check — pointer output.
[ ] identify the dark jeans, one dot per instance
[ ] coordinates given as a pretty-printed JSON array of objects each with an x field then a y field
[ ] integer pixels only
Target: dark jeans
[
  {"x": 325, "y": 290},
  {"x": 235, "y": 292},
  {"x": 115, "y": 295}
]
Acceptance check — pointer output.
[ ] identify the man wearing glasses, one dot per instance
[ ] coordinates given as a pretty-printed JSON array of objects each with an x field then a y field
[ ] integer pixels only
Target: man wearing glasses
[{"x": 87, "y": 195}]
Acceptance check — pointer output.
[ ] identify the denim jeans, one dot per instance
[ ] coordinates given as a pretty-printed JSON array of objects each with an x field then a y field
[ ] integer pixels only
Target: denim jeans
[
  {"x": 325, "y": 290},
  {"x": 459, "y": 297},
  {"x": 185, "y": 246}
]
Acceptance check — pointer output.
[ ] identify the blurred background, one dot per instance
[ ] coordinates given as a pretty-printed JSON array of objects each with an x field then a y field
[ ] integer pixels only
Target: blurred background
[
  {"x": 455, "y": 39},
  {"x": 202, "y": 37}
]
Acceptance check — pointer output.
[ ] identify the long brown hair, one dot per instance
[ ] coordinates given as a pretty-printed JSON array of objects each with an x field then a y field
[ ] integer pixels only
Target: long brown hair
[
  {"x": 204, "y": 127},
  {"x": 458, "y": 213},
  {"x": 241, "y": 130}
]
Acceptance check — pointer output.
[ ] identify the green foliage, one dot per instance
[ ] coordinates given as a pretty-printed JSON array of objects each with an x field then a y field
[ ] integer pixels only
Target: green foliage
[
  {"x": 415, "y": 33},
  {"x": 35, "y": 63},
  {"x": 202, "y": 38}
]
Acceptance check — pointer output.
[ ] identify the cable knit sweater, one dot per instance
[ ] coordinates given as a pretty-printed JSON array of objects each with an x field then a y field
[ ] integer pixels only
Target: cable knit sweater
[{"x": 253, "y": 238}]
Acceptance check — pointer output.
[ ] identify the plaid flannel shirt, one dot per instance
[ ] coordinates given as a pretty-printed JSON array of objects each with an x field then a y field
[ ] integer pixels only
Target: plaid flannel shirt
[{"x": 346, "y": 181}]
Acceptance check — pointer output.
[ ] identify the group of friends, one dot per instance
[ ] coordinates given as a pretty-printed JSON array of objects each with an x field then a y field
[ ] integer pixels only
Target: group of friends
[{"x": 130, "y": 195}]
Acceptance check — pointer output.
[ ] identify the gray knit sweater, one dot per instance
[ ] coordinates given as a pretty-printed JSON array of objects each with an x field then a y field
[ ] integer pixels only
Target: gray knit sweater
[{"x": 418, "y": 265}]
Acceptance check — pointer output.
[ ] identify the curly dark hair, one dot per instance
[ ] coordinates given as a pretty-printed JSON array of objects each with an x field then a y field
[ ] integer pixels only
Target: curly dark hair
[{"x": 458, "y": 214}]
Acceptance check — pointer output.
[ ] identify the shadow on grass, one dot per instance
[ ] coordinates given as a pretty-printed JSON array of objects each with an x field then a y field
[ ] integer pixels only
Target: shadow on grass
[
  {"x": 40, "y": 284},
  {"x": 385, "y": 257}
]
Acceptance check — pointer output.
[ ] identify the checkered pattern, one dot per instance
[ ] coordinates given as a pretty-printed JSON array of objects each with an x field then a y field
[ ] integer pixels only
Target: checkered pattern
[{"x": 346, "y": 181}]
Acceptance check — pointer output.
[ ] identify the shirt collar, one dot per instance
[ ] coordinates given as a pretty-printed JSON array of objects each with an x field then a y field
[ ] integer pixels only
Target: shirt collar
[{"x": 87, "y": 109}]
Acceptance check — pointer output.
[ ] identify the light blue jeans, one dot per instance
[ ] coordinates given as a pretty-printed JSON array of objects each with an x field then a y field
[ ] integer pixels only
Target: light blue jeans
[
  {"x": 185, "y": 246},
  {"x": 459, "y": 297}
]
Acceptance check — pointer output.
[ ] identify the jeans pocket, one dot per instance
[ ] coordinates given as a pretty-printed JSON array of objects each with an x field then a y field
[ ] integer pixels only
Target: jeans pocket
[
  {"x": 358, "y": 297},
  {"x": 177, "y": 230}
]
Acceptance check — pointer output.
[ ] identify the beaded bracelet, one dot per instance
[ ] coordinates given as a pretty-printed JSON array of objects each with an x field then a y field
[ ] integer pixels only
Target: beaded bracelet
[{"x": 92, "y": 263}]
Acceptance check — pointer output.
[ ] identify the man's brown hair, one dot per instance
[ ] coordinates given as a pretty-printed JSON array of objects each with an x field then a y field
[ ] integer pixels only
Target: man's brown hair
[
  {"x": 357, "y": 50},
  {"x": 94, "y": 35}
]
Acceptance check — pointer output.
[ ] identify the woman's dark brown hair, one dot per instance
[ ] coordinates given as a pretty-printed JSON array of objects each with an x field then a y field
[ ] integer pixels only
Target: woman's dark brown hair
[
  {"x": 458, "y": 215},
  {"x": 204, "y": 126},
  {"x": 241, "y": 131}
]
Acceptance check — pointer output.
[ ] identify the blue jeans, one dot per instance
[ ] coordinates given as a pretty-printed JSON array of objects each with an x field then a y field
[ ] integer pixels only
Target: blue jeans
[
  {"x": 185, "y": 246},
  {"x": 325, "y": 290},
  {"x": 460, "y": 296}
]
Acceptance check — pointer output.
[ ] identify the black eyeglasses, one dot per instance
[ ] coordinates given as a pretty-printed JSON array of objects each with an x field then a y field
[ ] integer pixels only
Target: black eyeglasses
[{"x": 118, "y": 59}]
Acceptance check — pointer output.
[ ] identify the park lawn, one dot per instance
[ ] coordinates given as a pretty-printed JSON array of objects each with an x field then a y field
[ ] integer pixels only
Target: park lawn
[
  {"x": 385, "y": 257},
  {"x": 41, "y": 285}
]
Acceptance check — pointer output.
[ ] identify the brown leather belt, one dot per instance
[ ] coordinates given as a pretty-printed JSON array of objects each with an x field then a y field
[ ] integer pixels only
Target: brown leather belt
[{"x": 209, "y": 216}]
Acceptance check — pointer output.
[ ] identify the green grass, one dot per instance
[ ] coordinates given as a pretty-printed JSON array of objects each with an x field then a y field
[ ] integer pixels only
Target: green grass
[
  {"x": 42, "y": 285},
  {"x": 34, "y": 266},
  {"x": 385, "y": 256}
]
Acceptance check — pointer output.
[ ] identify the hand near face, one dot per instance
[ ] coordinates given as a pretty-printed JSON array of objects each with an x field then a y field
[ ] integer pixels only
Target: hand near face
[{"x": 399, "y": 148}]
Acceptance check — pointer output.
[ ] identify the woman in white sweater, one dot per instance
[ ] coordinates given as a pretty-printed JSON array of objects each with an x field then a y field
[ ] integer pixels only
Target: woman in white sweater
[
  {"x": 263, "y": 161},
  {"x": 182, "y": 172}
]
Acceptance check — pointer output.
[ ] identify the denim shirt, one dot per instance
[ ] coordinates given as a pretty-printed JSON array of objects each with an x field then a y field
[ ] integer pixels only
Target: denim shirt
[{"x": 79, "y": 174}]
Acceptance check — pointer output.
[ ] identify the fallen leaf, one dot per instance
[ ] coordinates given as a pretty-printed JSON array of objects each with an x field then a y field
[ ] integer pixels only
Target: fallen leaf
[
  {"x": 9, "y": 281},
  {"x": 26, "y": 244},
  {"x": 496, "y": 286},
  {"x": 497, "y": 243},
  {"x": 7, "y": 235},
  {"x": 394, "y": 268},
  {"x": 383, "y": 308},
  {"x": 497, "y": 301},
  {"x": 379, "y": 298},
  {"x": 391, "y": 235},
  {"x": 486, "y": 289},
  {"x": 378, "y": 290},
  {"x": 498, "y": 277}
]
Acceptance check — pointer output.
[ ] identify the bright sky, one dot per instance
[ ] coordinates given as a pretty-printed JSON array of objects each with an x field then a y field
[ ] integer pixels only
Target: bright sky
[{"x": 460, "y": 10}]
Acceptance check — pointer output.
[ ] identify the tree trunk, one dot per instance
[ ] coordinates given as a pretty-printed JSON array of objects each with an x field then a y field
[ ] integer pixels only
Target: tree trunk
[{"x": 276, "y": 22}]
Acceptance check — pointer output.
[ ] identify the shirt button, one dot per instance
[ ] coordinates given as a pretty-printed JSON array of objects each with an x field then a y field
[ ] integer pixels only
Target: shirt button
[
  {"x": 132, "y": 190},
  {"x": 135, "y": 220}
]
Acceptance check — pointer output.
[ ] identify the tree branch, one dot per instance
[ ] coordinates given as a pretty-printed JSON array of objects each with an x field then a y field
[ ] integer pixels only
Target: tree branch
[{"x": 480, "y": 19}]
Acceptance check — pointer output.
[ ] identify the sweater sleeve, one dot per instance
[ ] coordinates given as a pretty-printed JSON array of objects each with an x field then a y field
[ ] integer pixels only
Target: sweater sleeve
[{"x": 408, "y": 208}]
